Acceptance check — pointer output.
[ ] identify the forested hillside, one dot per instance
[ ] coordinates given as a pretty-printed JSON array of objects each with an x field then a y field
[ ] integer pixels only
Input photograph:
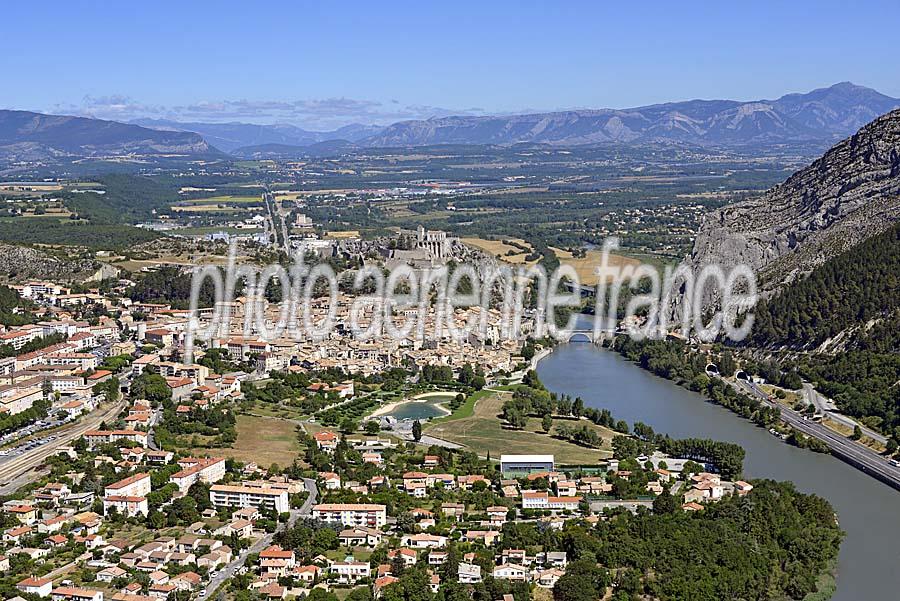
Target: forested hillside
[{"x": 857, "y": 292}]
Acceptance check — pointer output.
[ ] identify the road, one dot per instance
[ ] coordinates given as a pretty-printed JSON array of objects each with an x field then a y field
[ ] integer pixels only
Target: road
[
  {"x": 273, "y": 218},
  {"x": 850, "y": 451},
  {"x": 17, "y": 471},
  {"x": 827, "y": 407},
  {"x": 228, "y": 571}
]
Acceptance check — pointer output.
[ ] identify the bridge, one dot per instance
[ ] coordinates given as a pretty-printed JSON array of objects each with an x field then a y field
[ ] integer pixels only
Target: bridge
[{"x": 588, "y": 335}]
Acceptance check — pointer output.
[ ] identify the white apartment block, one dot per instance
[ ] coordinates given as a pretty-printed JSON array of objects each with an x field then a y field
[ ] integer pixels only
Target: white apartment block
[
  {"x": 208, "y": 470},
  {"x": 352, "y": 514},
  {"x": 249, "y": 496},
  {"x": 137, "y": 485}
]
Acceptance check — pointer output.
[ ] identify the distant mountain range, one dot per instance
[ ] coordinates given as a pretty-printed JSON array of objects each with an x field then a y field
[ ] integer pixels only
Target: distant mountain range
[
  {"x": 231, "y": 136},
  {"x": 35, "y": 136},
  {"x": 826, "y": 114},
  {"x": 819, "y": 117}
]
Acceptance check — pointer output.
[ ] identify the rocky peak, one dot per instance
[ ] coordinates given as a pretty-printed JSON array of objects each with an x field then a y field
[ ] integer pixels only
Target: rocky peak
[{"x": 848, "y": 195}]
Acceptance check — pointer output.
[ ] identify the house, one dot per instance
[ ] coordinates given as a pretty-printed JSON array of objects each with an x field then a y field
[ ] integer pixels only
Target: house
[
  {"x": 56, "y": 541},
  {"x": 111, "y": 573},
  {"x": 241, "y": 528},
  {"x": 24, "y": 513},
  {"x": 423, "y": 541},
  {"x": 548, "y": 578},
  {"x": 73, "y": 593},
  {"x": 556, "y": 559},
  {"x": 408, "y": 556},
  {"x": 382, "y": 582},
  {"x": 485, "y": 537},
  {"x": 469, "y": 573},
  {"x": 276, "y": 552},
  {"x": 307, "y": 574},
  {"x": 467, "y": 482},
  {"x": 41, "y": 587},
  {"x": 360, "y": 536},
  {"x": 331, "y": 480},
  {"x": 742, "y": 488},
  {"x": 349, "y": 572},
  {"x": 513, "y": 572},
  {"x": 497, "y": 514},
  {"x": 326, "y": 441},
  {"x": 186, "y": 581},
  {"x": 453, "y": 511},
  {"x": 162, "y": 591},
  {"x": 14, "y": 535}
]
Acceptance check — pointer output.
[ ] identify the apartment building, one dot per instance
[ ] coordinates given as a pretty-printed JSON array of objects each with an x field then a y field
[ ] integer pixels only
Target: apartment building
[
  {"x": 352, "y": 514},
  {"x": 208, "y": 470},
  {"x": 249, "y": 496},
  {"x": 137, "y": 485}
]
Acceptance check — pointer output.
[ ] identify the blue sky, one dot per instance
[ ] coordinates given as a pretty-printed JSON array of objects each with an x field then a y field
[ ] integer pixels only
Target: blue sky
[{"x": 322, "y": 65}]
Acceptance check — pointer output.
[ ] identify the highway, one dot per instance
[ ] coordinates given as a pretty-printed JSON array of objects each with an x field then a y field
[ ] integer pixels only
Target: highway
[
  {"x": 273, "y": 216},
  {"x": 229, "y": 570},
  {"x": 16, "y": 471},
  {"x": 826, "y": 407},
  {"x": 857, "y": 455}
]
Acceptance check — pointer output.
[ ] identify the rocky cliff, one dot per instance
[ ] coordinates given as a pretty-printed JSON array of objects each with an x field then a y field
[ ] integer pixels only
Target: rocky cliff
[
  {"x": 21, "y": 263},
  {"x": 848, "y": 195}
]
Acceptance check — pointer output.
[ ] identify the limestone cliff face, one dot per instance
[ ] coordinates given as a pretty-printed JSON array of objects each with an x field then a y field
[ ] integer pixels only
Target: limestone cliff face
[{"x": 849, "y": 194}]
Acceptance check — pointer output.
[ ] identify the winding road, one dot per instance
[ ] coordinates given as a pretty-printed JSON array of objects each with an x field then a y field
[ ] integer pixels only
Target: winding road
[{"x": 228, "y": 571}]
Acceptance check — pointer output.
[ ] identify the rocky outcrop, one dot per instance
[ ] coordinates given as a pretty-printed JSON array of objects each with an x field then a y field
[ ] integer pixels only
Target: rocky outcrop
[
  {"x": 20, "y": 263},
  {"x": 848, "y": 195}
]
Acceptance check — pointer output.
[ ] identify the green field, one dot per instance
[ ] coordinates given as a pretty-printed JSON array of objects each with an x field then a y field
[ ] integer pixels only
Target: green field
[{"x": 480, "y": 429}]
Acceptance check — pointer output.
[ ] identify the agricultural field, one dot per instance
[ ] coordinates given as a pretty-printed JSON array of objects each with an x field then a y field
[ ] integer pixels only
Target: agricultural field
[
  {"x": 586, "y": 266},
  {"x": 484, "y": 432},
  {"x": 263, "y": 440},
  {"x": 503, "y": 250}
]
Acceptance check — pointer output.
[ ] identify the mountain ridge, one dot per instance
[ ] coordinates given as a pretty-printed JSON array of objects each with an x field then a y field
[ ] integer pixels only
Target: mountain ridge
[
  {"x": 843, "y": 198},
  {"x": 235, "y": 135},
  {"x": 824, "y": 114},
  {"x": 37, "y": 135}
]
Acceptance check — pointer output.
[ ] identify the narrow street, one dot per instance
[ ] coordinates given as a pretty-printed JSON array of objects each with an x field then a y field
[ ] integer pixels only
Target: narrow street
[{"x": 229, "y": 570}]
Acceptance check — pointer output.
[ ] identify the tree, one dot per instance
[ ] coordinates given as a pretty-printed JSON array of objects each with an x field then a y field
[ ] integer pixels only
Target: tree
[
  {"x": 583, "y": 581},
  {"x": 417, "y": 430},
  {"x": 547, "y": 423},
  {"x": 373, "y": 427},
  {"x": 727, "y": 365},
  {"x": 665, "y": 503},
  {"x": 891, "y": 446},
  {"x": 152, "y": 387},
  {"x": 360, "y": 594},
  {"x": 857, "y": 433}
]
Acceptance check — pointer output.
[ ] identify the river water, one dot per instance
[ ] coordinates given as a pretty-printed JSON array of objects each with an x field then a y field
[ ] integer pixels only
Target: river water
[{"x": 869, "y": 562}]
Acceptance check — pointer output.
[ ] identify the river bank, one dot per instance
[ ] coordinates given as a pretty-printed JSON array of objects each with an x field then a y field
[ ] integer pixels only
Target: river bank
[{"x": 866, "y": 508}]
